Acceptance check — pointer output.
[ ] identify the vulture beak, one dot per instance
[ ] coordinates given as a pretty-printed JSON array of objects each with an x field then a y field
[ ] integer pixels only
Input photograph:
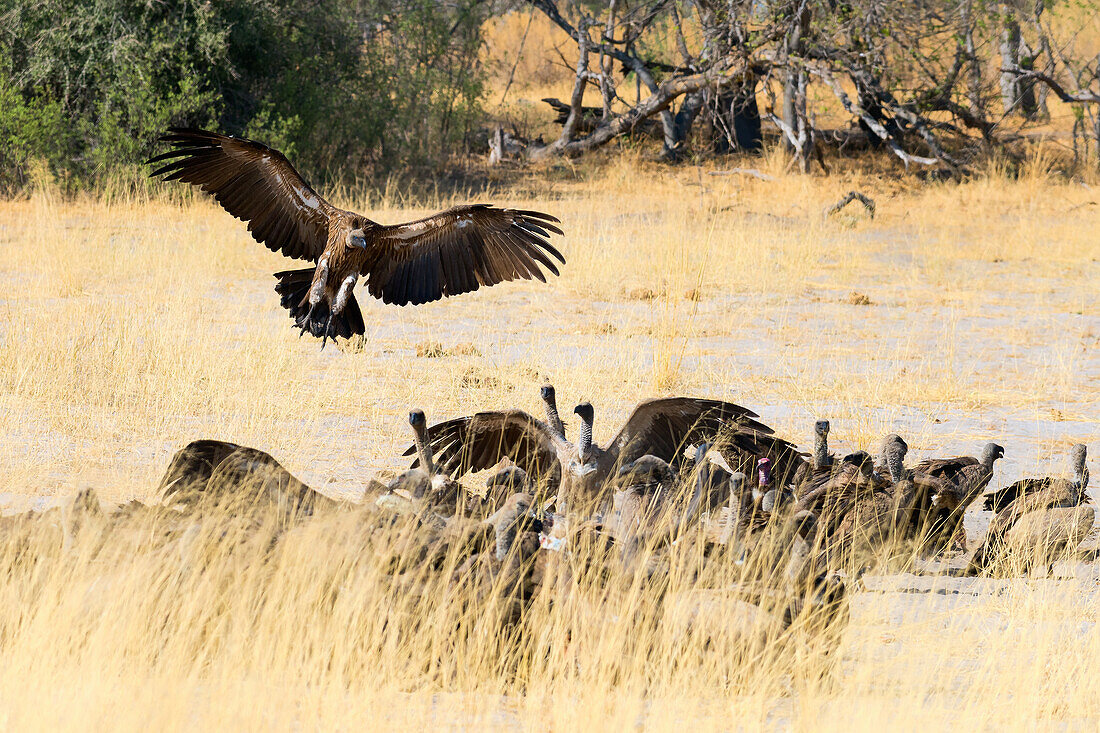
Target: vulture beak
[{"x": 356, "y": 239}]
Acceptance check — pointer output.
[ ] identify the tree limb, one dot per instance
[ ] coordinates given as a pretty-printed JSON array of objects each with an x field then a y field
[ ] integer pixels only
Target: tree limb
[
  {"x": 875, "y": 126},
  {"x": 1058, "y": 89}
]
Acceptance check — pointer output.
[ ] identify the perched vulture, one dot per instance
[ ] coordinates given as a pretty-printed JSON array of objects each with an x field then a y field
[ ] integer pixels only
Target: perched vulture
[
  {"x": 455, "y": 251},
  {"x": 963, "y": 480},
  {"x": 1057, "y": 490},
  {"x": 1039, "y": 498}
]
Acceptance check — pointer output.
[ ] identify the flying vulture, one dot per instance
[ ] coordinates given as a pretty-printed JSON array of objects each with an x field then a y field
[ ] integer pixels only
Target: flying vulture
[{"x": 455, "y": 251}]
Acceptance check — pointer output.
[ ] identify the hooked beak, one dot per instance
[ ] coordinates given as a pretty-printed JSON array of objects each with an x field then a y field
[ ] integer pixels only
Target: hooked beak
[{"x": 358, "y": 241}]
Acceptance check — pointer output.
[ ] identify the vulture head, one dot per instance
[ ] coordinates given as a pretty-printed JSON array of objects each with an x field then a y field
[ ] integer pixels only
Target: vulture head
[
  {"x": 764, "y": 471},
  {"x": 550, "y": 401},
  {"x": 357, "y": 238},
  {"x": 804, "y": 524},
  {"x": 991, "y": 453},
  {"x": 737, "y": 485}
]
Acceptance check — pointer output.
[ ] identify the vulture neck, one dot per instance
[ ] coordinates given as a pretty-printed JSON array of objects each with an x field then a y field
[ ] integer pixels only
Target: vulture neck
[
  {"x": 895, "y": 464},
  {"x": 693, "y": 504},
  {"x": 821, "y": 451},
  {"x": 505, "y": 527},
  {"x": 552, "y": 417},
  {"x": 584, "y": 440},
  {"x": 1080, "y": 472},
  {"x": 505, "y": 536},
  {"x": 424, "y": 450},
  {"x": 737, "y": 483}
]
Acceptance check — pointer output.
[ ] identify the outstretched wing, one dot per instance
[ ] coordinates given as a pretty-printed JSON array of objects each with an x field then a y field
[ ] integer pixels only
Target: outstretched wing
[
  {"x": 664, "y": 427},
  {"x": 458, "y": 251},
  {"x": 254, "y": 183},
  {"x": 480, "y": 441}
]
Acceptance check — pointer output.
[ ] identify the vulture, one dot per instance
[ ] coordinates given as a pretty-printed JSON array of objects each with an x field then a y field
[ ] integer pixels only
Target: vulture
[
  {"x": 422, "y": 485},
  {"x": 1041, "y": 498},
  {"x": 455, "y": 251},
  {"x": 965, "y": 478},
  {"x": 214, "y": 472},
  {"x": 1062, "y": 491},
  {"x": 968, "y": 476},
  {"x": 880, "y": 513},
  {"x": 661, "y": 428}
]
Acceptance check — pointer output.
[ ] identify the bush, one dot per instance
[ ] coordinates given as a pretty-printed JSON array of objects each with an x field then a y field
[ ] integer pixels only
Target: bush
[{"x": 343, "y": 87}]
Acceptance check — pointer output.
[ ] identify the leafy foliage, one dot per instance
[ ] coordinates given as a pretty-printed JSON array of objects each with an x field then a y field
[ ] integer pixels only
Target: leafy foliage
[{"x": 342, "y": 86}]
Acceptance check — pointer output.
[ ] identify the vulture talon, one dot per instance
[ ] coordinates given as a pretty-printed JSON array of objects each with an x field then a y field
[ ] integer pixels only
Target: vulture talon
[{"x": 328, "y": 329}]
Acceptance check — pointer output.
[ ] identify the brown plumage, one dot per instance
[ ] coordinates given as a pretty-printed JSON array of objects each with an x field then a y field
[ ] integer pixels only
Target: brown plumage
[
  {"x": 190, "y": 469},
  {"x": 744, "y": 451},
  {"x": 209, "y": 473},
  {"x": 452, "y": 252},
  {"x": 854, "y": 507},
  {"x": 832, "y": 499},
  {"x": 964, "y": 479},
  {"x": 1060, "y": 491},
  {"x": 661, "y": 428},
  {"x": 1039, "y": 536},
  {"x": 1030, "y": 497}
]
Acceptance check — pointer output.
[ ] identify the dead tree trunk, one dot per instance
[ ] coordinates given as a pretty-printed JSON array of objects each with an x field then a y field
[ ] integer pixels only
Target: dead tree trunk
[
  {"x": 685, "y": 117},
  {"x": 1017, "y": 92},
  {"x": 973, "y": 63},
  {"x": 1045, "y": 51},
  {"x": 794, "y": 87}
]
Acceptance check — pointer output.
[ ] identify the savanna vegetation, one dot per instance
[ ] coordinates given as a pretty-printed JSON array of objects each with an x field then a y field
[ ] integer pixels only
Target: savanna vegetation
[
  {"x": 136, "y": 318},
  {"x": 355, "y": 90},
  {"x": 344, "y": 87}
]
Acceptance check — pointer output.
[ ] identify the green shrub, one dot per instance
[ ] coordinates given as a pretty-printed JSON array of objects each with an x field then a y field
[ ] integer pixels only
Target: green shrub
[{"x": 344, "y": 88}]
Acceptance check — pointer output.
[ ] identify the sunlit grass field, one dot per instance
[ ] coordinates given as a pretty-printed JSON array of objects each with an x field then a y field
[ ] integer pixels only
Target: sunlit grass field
[{"x": 960, "y": 313}]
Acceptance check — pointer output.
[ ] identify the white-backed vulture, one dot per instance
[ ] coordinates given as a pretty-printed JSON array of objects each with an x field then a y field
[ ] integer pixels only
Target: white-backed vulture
[{"x": 452, "y": 252}]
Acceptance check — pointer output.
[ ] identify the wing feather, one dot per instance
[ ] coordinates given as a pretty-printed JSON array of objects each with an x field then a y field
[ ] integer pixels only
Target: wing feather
[
  {"x": 480, "y": 441},
  {"x": 664, "y": 427},
  {"x": 254, "y": 183},
  {"x": 458, "y": 251}
]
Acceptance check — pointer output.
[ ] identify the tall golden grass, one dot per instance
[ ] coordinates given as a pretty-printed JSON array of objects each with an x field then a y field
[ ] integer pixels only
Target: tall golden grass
[{"x": 135, "y": 324}]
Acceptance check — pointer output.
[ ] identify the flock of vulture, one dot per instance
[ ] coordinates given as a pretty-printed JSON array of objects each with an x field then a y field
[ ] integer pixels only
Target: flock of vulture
[
  {"x": 795, "y": 529},
  {"x": 682, "y": 472}
]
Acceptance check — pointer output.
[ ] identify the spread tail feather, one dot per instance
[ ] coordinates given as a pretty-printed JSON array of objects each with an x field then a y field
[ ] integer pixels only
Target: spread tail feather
[{"x": 293, "y": 289}]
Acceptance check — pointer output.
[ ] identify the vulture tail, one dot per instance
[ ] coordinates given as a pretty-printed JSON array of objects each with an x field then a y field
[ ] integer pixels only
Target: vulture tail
[{"x": 293, "y": 289}]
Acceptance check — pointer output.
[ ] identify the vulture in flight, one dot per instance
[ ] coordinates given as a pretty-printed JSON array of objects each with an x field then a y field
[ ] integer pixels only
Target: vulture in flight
[{"x": 455, "y": 251}]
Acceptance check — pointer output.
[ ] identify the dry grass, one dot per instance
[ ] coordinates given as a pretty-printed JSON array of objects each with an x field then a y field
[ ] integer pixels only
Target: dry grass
[{"x": 131, "y": 327}]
